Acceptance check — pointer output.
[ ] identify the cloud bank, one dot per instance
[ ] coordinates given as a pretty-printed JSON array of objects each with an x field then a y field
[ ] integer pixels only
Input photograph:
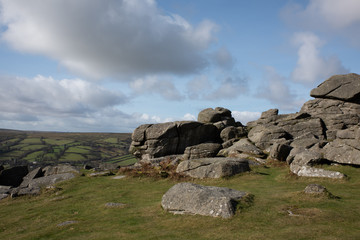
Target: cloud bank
[
  {"x": 102, "y": 38},
  {"x": 311, "y": 67}
]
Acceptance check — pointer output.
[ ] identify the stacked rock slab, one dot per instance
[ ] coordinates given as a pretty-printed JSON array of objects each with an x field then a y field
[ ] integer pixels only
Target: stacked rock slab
[{"x": 326, "y": 128}]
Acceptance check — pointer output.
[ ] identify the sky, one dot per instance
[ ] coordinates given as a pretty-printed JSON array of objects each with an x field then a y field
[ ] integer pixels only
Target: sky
[{"x": 112, "y": 65}]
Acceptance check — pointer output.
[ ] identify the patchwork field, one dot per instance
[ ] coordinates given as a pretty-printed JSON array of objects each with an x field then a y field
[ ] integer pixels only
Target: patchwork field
[{"x": 42, "y": 148}]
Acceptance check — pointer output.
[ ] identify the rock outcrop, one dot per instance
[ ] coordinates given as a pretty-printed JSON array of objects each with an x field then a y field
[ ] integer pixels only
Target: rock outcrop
[
  {"x": 32, "y": 182},
  {"x": 213, "y": 167},
  {"x": 326, "y": 129},
  {"x": 158, "y": 140},
  {"x": 189, "y": 198}
]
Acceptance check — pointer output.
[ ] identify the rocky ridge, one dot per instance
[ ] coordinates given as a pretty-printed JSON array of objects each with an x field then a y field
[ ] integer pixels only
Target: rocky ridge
[{"x": 326, "y": 129}]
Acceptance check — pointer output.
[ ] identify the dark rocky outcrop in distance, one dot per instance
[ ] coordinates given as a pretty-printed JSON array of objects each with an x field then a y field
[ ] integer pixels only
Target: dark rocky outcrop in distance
[{"x": 30, "y": 183}]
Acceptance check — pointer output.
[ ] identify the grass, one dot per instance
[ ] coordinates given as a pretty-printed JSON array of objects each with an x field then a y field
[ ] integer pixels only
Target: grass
[{"x": 276, "y": 191}]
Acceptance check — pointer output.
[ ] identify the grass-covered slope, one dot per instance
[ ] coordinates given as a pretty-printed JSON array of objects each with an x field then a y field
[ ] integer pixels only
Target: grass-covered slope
[
  {"x": 276, "y": 193},
  {"x": 43, "y": 148}
]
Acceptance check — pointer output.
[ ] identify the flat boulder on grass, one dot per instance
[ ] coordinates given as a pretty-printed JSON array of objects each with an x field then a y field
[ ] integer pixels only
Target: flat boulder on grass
[
  {"x": 213, "y": 167},
  {"x": 190, "y": 198}
]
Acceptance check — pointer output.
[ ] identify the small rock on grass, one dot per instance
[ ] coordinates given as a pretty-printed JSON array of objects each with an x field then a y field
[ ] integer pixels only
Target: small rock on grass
[
  {"x": 66, "y": 223},
  {"x": 119, "y": 177},
  {"x": 114, "y": 205}
]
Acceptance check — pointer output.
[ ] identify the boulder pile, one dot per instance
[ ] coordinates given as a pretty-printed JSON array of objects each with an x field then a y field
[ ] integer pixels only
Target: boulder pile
[
  {"x": 18, "y": 181},
  {"x": 326, "y": 129}
]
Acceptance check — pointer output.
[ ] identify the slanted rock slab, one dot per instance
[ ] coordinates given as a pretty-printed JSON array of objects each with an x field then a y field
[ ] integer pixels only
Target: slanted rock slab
[
  {"x": 190, "y": 198},
  {"x": 343, "y": 87},
  {"x": 213, "y": 167}
]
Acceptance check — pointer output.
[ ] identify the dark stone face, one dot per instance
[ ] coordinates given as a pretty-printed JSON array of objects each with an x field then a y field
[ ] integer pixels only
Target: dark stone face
[{"x": 13, "y": 176}]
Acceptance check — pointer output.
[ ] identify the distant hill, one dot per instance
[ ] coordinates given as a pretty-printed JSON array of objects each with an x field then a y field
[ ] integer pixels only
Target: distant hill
[{"x": 39, "y": 148}]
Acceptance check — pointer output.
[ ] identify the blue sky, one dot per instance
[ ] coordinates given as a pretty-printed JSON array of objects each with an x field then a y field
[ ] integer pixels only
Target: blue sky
[{"x": 111, "y": 65}]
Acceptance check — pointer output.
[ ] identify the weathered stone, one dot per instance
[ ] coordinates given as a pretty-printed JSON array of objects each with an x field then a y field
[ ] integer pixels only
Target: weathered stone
[
  {"x": 350, "y": 133},
  {"x": 299, "y": 127},
  {"x": 4, "y": 189},
  {"x": 66, "y": 223},
  {"x": 242, "y": 146},
  {"x": 139, "y": 133},
  {"x": 307, "y": 171},
  {"x": 269, "y": 113},
  {"x": 50, "y": 180},
  {"x": 301, "y": 166},
  {"x": 280, "y": 151},
  {"x": 344, "y": 151},
  {"x": 172, "y": 138},
  {"x": 315, "y": 189},
  {"x": 203, "y": 150},
  {"x": 343, "y": 87},
  {"x": 229, "y": 143},
  {"x": 264, "y": 136},
  {"x": 114, "y": 205},
  {"x": 212, "y": 167},
  {"x": 210, "y": 115},
  {"x": 59, "y": 169},
  {"x": 37, "y": 172},
  {"x": 13, "y": 176},
  {"x": 34, "y": 190},
  {"x": 335, "y": 114},
  {"x": 189, "y": 198},
  {"x": 305, "y": 141},
  {"x": 232, "y": 132}
]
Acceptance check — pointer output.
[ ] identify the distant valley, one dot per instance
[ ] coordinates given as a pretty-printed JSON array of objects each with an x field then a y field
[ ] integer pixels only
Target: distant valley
[{"x": 35, "y": 148}]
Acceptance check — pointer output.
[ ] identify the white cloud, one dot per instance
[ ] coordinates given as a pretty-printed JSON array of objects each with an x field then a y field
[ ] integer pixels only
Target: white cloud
[
  {"x": 229, "y": 88},
  {"x": 276, "y": 90},
  {"x": 311, "y": 66},
  {"x": 245, "y": 116},
  {"x": 198, "y": 86},
  {"x": 46, "y": 96},
  {"x": 333, "y": 17},
  {"x": 333, "y": 14},
  {"x": 189, "y": 117},
  {"x": 224, "y": 59},
  {"x": 43, "y": 103},
  {"x": 101, "y": 38},
  {"x": 153, "y": 84}
]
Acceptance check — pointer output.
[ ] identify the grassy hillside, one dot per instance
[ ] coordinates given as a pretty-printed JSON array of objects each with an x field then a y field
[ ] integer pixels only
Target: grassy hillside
[
  {"x": 276, "y": 192},
  {"x": 42, "y": 148}
]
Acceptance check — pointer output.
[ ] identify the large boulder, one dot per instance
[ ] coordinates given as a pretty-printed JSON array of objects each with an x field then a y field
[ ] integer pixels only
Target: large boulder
[
  {"x": 302, "y": 165},
  {"x": 280, "y": 151},
  {"x": 158, "y": 140},
  {"x": 345, "y": 151},
  {"x": 232, "y": 132},
  {"x": 342, "y": 87},
  {"x": 242, "y": 146},
  {"x": 190, "y": 198},
  {"x": 203, "y": 150},
  {"x": 210, "y": 115},
  {"x": 264, "y": 136},
  {"x": 213, "y": 167}
]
